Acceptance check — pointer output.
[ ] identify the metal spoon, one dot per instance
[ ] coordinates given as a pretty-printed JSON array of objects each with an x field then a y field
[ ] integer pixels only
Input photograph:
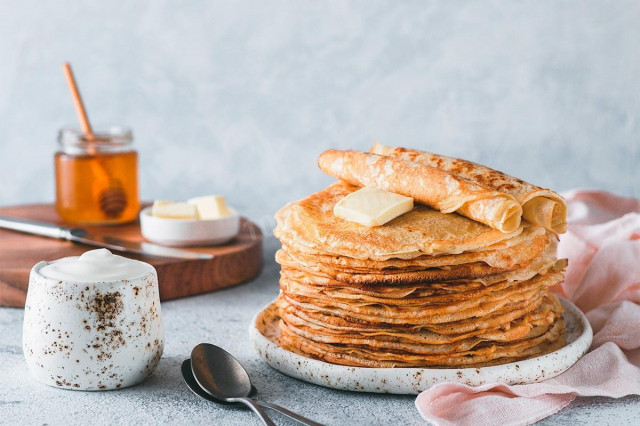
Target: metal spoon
[
  {"x": 187, "y": 374},
  {"x": 219, "y": 376},
  {"x": 217, "y": 373}
]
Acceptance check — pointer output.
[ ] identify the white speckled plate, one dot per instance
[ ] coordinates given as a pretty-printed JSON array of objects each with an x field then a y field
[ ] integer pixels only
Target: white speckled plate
[{"x": 264, "y": 331}]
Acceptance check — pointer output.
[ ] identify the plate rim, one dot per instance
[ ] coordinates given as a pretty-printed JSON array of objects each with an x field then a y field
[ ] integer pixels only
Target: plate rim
[{"x": 387, "y": 378}]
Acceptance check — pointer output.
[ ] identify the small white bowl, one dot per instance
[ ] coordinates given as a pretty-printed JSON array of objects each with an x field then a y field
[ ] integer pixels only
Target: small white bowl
[{"x": 189, "y": 232}]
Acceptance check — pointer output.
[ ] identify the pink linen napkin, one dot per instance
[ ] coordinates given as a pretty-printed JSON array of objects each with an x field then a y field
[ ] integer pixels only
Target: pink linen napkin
[{"x": 603, "y": 279}]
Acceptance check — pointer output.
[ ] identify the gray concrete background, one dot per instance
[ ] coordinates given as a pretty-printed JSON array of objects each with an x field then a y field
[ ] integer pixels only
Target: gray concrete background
[{"x": 239, "y": 98}]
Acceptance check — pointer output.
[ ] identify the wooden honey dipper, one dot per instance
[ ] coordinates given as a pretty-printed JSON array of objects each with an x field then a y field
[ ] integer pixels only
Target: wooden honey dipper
[{"x": 109, "y": 192}]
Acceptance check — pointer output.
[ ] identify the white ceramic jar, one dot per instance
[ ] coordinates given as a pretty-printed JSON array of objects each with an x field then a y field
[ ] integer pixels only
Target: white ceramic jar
[{"x": 93, "y": 322}]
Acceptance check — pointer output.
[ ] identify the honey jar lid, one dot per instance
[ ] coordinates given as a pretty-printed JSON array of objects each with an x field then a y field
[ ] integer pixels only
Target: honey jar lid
[{"x": 113, "y": 139}]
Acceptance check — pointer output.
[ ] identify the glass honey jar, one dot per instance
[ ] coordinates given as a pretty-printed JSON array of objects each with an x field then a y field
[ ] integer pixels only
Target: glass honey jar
[{"x": 97, "y": 177}]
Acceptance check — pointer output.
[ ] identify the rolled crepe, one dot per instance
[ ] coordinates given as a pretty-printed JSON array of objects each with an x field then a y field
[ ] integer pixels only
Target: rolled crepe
[
  {"x": 426, "y": 184},
  {"x": 539, "y": 206}
]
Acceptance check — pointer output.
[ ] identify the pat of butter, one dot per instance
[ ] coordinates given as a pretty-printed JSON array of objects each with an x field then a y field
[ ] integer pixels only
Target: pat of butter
[
  {"x": 171, "y": 210},
  {"x": 210, "y": 206},
  {"x": 372, "y": 206}
]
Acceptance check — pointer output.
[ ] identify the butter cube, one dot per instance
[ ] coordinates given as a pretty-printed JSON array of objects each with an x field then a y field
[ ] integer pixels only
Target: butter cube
[
  {"x": 171, "y": 210},
  {"x": 371, "y": 206},
  {"x": 210, "y": 206}
]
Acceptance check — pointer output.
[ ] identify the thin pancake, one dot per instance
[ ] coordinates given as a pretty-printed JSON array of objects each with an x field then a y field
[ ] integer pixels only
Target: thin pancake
[
  {"x": 422, "y": 314},
  {"x": 481, "y": 357},
  {"x": 522, "y": 330},
  {"x": 542, "y": 338},
  {"x": 539, "y": 206},
  {"x": 421, "y": 231},
  {"x": 504, "y": 315},
  {"x": 499, "y": 332},
  {"x": 420, "y": 296},
  {"x": 419, "y": 269},
  {"x": 429, "y": 185},
  {"x": 541, "y": 265},
  {"x": 458, "y": 272},
  {"x": 498, "y": 258}
]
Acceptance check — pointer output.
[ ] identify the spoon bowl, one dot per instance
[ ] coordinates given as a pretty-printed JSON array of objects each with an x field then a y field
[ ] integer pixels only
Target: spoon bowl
[
  {"x": 193, "y": 385},
  {"x": 220, "y": 375}
]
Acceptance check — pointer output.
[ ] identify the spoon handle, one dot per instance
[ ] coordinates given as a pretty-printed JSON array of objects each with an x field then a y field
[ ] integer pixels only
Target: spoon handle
[
  {"x": 256, "y": 409},
  {"x": 288, "y": 413}
]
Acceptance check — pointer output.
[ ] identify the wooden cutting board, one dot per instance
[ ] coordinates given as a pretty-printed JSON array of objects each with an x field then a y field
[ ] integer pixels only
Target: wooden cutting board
[{"x": 233, "y": 263}]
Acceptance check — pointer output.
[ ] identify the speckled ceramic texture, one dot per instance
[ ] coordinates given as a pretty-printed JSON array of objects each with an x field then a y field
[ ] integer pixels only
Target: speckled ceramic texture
[
  {"x": 414, "y": 380},
  {"x": 92, "y": 336}
]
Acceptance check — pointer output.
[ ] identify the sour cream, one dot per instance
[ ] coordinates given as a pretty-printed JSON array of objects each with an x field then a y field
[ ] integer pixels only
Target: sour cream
[{"x": 93, "y": 266}]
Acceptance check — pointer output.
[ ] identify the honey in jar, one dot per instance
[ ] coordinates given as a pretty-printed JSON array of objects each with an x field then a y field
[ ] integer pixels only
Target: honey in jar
[{"x": 97, "y": 177}]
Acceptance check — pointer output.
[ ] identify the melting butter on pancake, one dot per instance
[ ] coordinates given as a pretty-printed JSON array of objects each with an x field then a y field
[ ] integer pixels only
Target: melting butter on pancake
[
  {"x": 429, "y": 185},
  {"x": 539, "y": 206},
  {"x": 311, "y": 222}
]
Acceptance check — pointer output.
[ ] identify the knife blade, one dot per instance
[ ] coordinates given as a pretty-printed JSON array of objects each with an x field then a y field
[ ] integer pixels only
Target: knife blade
[{"x": 82, "y": 236}]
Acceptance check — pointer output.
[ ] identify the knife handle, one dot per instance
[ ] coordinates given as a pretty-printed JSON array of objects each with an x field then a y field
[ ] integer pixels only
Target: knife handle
[{"x": 37, "y": 228}]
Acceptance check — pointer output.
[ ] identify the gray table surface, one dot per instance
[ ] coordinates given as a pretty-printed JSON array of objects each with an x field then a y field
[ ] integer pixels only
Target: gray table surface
[{"x": 223, "y": 318}]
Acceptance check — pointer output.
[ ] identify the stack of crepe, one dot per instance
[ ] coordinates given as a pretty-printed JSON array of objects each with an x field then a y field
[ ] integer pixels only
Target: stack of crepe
[{"x": 461, "y": 280}]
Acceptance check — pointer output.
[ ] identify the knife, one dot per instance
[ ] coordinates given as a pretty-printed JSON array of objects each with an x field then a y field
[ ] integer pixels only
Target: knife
[{"x": 82, "y": 236}]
